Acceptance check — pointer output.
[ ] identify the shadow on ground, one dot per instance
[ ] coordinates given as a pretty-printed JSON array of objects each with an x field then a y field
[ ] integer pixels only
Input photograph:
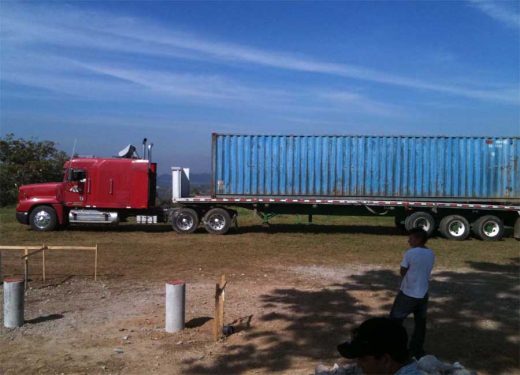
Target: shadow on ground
[
  {"x": 321, "y": 228},
  {"x": 45, "y": 318},
  {"x": 152, "y": 228},
  {"x": 198, "y": 322},
  {"x": 473, "y": 318}
]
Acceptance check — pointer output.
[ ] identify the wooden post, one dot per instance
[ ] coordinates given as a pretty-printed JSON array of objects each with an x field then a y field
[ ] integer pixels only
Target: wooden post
[
  {"x": 219, "y": 308},
  {"x": 43, "y": 264},
  {"x": 26, "y": 269},
  {"x": 216, "y": 324},
  {"x": 221, "y": 301},
  {"x": 95, "y": 264}
]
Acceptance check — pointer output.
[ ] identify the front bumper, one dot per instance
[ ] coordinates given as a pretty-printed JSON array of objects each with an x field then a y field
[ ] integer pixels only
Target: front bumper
[{"x": 22, "y": 217}]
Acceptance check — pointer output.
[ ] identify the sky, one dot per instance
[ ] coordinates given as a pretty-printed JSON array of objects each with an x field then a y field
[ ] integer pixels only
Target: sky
[{"x": 102, "y": 75}]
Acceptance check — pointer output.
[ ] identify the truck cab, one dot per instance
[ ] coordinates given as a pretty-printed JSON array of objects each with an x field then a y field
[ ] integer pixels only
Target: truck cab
[{"x": 93, "y": 190}]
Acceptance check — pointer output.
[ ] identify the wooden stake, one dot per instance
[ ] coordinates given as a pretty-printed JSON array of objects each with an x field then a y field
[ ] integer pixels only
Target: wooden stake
[
  {"x": 219, "y": 308},
  {"x": 221, "y": 301},
  {"x": 26, "y": 268},
  {"x": 216, "y": 323},
  {"x": 95, "y": 264},
  {"x": 43, "y": 264}
]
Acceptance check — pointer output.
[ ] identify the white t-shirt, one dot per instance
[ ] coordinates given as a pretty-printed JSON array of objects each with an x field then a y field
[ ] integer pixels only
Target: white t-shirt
[{"x": 419, "y": 261}]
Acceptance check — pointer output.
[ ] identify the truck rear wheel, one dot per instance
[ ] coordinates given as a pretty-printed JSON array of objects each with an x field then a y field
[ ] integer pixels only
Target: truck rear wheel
[
  {"x": 185, "y": 220},
  {"x": 488, "y": 228},
  {"x": 217, "y": 221},
  {"x": 454, "y": 227},
  {"x": 43, "y": 219},
  {"x": 422, "y": 220}
]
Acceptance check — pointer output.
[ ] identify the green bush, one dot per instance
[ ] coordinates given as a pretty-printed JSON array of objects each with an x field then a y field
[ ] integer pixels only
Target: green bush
[{"x": 27, "y": 161}]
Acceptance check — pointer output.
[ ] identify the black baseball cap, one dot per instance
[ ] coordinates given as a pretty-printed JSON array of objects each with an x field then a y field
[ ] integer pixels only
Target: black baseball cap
[{"x": 377, "y": 336}]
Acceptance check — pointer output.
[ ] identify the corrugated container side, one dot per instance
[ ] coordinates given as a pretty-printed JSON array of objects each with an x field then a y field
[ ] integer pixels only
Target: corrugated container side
[{"x": 367, "y": 166}]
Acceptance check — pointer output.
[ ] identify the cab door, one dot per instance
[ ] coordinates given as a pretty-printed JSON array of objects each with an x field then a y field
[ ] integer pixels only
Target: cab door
[{"x": 75, "y": 191}]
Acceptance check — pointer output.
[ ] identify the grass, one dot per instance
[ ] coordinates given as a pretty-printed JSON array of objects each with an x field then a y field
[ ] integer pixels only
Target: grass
[
  {"x": 140, "y": 251},
  {"x": 474, "y": 307}
]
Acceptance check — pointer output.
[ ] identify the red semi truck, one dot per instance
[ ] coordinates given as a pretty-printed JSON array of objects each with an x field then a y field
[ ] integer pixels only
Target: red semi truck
[{"x": 109, "y": 190}]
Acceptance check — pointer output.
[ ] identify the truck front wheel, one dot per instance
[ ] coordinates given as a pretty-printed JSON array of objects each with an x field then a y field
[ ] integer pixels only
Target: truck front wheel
[
  {"x": 489, "y": 228},
  {"x": 185, "y": 220},
  {"x": 217, "y": 221},
  {"x": 43, "y": 219}
]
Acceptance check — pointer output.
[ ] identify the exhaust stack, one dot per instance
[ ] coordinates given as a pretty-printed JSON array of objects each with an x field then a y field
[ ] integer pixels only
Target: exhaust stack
[
  {"x": 150, "y": 152},
  {"x": 144, "y": 149}
]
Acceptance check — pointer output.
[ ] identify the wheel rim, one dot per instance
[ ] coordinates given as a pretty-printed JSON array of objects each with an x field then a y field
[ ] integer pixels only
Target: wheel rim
[
  {"x": 184, "y": 222},
  {"x": 491, "y": 229},
  {"x": 456, "y": 228},
  {"x": 216, "y": 222},
  {"x": 42, "y": 219},
  {"x": 422, "y": 223}
]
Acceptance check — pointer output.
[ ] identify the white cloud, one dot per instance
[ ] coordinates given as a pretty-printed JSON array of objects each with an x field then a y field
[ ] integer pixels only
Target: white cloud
[
  {"x": 500, "y": 11},
  {"x": 75, "y": 32}
]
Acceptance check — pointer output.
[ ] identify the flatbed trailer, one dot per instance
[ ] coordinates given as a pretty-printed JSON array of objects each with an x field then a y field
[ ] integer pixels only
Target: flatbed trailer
[{"x": 454, "y": 219}]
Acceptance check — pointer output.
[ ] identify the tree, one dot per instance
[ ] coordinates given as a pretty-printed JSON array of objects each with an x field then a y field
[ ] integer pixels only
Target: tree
[{"x": 27, "y": 161}]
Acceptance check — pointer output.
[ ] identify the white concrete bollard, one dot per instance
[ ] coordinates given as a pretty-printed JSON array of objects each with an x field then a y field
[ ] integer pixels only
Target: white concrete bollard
[
  {"x": 175, "y": 305},
  {"x": 13, "y": 302}
]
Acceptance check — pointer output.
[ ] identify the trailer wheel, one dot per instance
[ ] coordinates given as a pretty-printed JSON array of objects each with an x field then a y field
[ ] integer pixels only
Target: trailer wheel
[
  {"x": 421, "y": 220},
  {"x": 185, "y": 220},
  {"x": 217, "y": 221},
  {"x": 454, "y": 227},
  {"x": 43, "y": 219},
  {"x": 488, "y": 228}
]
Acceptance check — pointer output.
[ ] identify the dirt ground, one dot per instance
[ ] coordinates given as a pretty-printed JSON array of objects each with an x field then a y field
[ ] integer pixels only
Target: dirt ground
[{"x": 293, "y": 294}]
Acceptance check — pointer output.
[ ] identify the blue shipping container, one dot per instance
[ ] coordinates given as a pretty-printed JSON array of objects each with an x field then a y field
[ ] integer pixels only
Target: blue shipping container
[{"x": 471, "y": 168}]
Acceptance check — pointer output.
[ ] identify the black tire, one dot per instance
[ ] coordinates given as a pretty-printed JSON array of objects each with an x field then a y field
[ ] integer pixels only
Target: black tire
[
  {"x": 43, "y": 219},
  {"x": 217, "y": 221},
  {"x": 185, "y": 220},
  {"x": 420, "y": 219},
  {"x": 454, "y": 227},
  {"x": 488, "y": 228}
]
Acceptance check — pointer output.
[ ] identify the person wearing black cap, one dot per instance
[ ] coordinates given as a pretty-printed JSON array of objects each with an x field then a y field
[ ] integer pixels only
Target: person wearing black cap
[{"x": 380, "y": 346}]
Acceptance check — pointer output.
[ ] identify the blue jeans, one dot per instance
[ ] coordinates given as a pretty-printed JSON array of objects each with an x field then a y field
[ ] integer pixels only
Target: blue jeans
[{"x": 404, "y": 306}]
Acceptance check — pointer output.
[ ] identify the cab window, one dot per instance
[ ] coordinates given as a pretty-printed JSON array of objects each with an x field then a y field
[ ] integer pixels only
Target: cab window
[{"x": 76, "y": 175}]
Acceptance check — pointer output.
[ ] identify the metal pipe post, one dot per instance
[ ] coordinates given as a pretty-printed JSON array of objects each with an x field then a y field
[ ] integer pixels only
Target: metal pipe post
[
  {"x": 13, "y": 302},
  {"x": 175, "y": 305}
]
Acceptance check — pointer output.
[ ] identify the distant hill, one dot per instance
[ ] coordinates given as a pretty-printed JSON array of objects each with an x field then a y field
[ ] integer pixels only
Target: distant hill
[
  {"x": 165, "y": 180},
  {"x": 200, "y": 184}
]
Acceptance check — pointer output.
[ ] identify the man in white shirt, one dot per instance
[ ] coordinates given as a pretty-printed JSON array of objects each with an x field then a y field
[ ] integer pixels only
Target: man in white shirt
[{"x": 416, "y": 269}]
